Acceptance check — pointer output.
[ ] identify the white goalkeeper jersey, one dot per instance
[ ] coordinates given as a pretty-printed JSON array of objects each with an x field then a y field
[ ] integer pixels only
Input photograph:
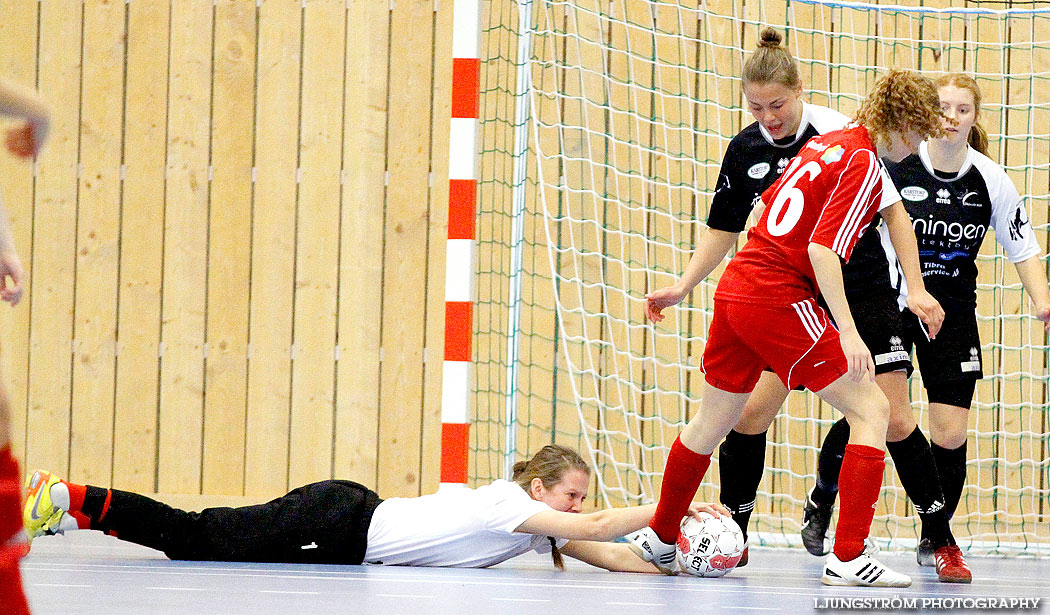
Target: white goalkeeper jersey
[{"x": 457, "y": 527}]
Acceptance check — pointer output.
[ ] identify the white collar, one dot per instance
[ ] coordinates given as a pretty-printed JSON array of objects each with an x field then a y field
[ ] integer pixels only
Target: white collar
[
  {"x": 803, "y": 124},
  {"x": 924, "y": 156}
]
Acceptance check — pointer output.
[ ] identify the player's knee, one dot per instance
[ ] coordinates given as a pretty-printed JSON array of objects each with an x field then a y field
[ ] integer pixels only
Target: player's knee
[
  {"x": 755, "y": 418},
  {"x": 874, "y": 409},
  {"x": 901, "y": 424}
]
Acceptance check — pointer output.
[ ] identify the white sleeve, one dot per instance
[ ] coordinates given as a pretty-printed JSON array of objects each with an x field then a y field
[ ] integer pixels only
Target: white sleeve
[
  {"x": 1013, "y": 230},
  {"x": 544, "y": 546},
  {"x": 890, "y": 196},
  {"x": 508, "y": 506}
]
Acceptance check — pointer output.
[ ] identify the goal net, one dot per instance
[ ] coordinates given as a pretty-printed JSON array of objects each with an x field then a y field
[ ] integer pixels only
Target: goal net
[{"x": 603, "y": 124}]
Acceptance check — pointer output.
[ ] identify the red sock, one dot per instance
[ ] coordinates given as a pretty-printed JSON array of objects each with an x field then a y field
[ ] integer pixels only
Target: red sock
[
  {"x": 10, "y": 495},
  {"x": 682, "y": 475},
  {"x": 859, "y": 484},
  {"x": 83, "y": 521},
  {"x": 76, "y": 496}
]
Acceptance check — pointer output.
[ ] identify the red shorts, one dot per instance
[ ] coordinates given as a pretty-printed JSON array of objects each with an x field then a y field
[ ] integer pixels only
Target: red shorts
[{"x": 796, "y": 341}]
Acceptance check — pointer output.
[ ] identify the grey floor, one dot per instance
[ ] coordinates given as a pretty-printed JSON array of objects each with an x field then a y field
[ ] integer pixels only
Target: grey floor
[{"x": 86, "y": 572}]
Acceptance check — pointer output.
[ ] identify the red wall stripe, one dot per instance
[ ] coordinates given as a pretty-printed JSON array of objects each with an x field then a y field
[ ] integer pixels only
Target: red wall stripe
[
  {"x": 462, "y": 194},
  {"x": 458, "y": 330},
  {"x": 455, "y": 440},
  {"x": 465, "y": 79}
]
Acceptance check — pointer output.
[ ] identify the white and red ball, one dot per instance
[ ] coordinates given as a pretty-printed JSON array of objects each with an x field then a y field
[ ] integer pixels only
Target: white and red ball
[{"x": 709, "y": 548}]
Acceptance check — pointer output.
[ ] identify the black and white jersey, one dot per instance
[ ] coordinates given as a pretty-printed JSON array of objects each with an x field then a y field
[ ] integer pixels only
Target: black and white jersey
[
  {"x": 753, "y": 161},
  {"x": 951, "y": 217}
]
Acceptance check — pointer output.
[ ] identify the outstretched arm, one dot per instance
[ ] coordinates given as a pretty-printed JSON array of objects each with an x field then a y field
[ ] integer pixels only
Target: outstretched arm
[
  {"x": 607, "y": 524},
  {"x": 1034, "y": 280},
  {"x": 613, "y": 556},
  {"x": 26, "y": 142},
  {"x": 902, "y": 236},
  {"x": 711, "y": 249}
]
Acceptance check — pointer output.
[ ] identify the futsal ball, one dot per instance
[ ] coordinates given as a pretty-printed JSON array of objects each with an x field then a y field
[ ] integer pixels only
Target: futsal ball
[{"x": 709, "y": 548}]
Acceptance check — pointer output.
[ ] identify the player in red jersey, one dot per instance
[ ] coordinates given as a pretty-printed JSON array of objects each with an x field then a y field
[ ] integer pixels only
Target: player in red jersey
[
  {"x": 766, "y": 314},
  {"x": 24, "y": 141}
]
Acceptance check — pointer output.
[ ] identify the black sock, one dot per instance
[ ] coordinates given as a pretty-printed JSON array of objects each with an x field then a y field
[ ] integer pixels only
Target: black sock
[
  {"x": 829, "y": 463},
  {"x": 917, "y": 470},
  {"x": 95, "y": 500},
  {"x": 951, "y": 467},
  {"x": 741, "y": 459}
]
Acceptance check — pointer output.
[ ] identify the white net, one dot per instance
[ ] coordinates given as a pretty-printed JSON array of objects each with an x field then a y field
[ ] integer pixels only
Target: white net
[{"x": 630, "y": 105}]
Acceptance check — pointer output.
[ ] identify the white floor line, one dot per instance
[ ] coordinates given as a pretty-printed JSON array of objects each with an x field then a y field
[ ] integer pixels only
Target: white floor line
[
  {"x": 730, "y": 585},
  {"x": 278, "y": 591}
]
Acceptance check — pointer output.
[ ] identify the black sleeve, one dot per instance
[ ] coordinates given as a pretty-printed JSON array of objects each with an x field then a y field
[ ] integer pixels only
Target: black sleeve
[{"x": 731, "y": 203}]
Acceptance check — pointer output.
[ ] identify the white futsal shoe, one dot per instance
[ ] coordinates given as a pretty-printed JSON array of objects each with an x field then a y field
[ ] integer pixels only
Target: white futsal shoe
[
  {"x": 648, "y": 546},
  {"x": 864, "y": 571}
]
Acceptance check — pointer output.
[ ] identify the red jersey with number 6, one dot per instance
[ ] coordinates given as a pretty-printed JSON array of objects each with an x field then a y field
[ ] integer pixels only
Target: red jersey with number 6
[{"x": 828, "y": 195}]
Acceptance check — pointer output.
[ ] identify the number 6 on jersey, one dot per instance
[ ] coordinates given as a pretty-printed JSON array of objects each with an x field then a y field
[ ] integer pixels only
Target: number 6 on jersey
[{"x": 792, "y": 197}]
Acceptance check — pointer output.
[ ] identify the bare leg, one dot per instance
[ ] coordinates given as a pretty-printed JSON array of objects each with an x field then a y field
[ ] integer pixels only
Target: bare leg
[
  {"x": 762, "y": 405},
  {"x": 865, "y": 407},
  {"x": 719, "y": 411}
]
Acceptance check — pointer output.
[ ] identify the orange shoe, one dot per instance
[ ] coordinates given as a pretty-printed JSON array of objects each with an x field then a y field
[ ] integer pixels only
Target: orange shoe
[{"x": 951, "y": 567}]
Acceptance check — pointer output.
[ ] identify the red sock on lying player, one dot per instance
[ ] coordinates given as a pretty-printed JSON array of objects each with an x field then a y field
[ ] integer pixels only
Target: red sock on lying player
[{"x": 85, "y": 504}]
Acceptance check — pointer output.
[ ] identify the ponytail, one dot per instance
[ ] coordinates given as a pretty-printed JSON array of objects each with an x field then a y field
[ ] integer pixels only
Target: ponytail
[{"x": 559, "y": 563}]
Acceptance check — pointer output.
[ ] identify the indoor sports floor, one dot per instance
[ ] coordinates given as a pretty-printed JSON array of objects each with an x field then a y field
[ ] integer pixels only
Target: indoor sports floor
[{"x": 89, "y": 573}]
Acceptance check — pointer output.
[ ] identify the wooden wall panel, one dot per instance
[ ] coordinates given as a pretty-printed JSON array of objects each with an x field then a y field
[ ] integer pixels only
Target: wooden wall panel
[
  {"x": 317, "y": 243},
  {"x": 54, "y": 240},
  {"x": 97, "y": 247},
  {"x": 185, "y": 249},
  {"x": 141, "y": 250},
  {"x": 229, "y": 248},
  {"x": 361, "y": 241},
  {"x": 273, "y": 246},
  {"x": 18, "y": 62},
  {"x": 404, "y": 254}
]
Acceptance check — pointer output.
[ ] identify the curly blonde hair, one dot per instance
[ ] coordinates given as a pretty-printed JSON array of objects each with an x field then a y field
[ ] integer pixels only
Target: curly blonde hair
[{"x": 901, "y": 101}]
